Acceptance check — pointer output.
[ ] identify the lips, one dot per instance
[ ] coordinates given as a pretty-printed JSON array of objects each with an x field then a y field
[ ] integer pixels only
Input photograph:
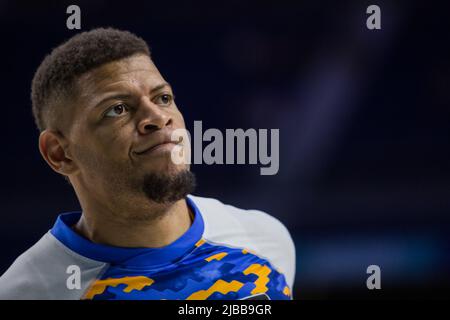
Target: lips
[
  {"x": 159, "y": 140},
  {"x": 156, "y": 147}
]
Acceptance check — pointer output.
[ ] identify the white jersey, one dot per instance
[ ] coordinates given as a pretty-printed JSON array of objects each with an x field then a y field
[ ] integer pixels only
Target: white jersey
[{"x": 227, "y": 253}]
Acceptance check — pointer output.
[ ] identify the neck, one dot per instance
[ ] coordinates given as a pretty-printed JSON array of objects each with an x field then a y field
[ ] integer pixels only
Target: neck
[{"x": 165, "y": 225}]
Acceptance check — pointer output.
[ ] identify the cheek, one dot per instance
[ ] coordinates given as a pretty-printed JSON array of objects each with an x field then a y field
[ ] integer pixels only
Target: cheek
[
  {"x": 85, "y": 156},
  {"x": 114, "y": 139},
  {"x": 103, "y": 148},
  {"x": 114, "y": 147},
  {"x": 98, "y": 160}
]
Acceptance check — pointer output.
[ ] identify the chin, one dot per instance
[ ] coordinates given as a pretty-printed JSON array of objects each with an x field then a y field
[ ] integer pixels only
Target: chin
[
  {"x": 167, "y": 168},
  {"x": 165, "y": 187}
]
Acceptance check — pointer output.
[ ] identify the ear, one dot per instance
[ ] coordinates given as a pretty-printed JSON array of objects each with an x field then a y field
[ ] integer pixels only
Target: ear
[{"x": 54, "y": 149}]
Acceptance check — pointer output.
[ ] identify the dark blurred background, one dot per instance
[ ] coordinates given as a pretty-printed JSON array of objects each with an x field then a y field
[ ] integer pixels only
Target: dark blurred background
[{"x": 363, "y": 116}]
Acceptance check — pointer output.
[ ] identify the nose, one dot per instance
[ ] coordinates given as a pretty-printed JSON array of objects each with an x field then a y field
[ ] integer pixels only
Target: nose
[{"x": 151, "y": 117}]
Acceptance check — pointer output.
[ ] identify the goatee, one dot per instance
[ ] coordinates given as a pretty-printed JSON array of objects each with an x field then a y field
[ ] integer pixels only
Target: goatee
[{"x": 165, "y": 188}]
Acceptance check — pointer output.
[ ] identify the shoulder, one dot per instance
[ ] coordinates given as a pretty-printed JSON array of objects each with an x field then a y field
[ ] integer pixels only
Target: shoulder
[
  {"x": 41, "y": 272},
  {"x": 254, "y": 230},
  {"x": 23, "y": 280}
]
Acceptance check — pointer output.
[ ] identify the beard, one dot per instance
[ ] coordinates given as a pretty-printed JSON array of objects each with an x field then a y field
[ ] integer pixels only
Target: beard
[{"x": 168, "y": 188}]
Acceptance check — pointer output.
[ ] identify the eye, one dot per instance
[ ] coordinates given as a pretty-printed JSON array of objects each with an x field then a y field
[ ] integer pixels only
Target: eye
[
  {"x": 117, "y": 111},
  {"x": 164, "y": 99}
]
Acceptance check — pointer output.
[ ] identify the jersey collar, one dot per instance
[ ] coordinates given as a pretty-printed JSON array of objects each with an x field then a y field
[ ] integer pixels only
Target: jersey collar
[{"x": 128, "y": 257}]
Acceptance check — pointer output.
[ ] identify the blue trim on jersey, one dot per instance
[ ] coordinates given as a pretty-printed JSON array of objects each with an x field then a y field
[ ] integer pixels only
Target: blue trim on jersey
[{"x": 132, "y": 257}]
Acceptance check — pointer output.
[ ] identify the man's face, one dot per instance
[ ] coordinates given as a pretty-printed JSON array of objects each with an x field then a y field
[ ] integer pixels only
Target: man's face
[{"x": 121, "y": 128}]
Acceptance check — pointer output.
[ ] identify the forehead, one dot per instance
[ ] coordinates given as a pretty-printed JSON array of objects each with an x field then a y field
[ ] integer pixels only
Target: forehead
[{"x": 136, "y": 72}]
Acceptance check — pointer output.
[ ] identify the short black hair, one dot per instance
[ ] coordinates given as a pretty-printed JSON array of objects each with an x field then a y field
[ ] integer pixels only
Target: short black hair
[{"x": 55, "y": 78}]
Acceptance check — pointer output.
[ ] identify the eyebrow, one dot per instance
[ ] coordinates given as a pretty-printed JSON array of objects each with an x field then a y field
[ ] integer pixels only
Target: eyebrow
[{"x": 127, "y": 96}]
